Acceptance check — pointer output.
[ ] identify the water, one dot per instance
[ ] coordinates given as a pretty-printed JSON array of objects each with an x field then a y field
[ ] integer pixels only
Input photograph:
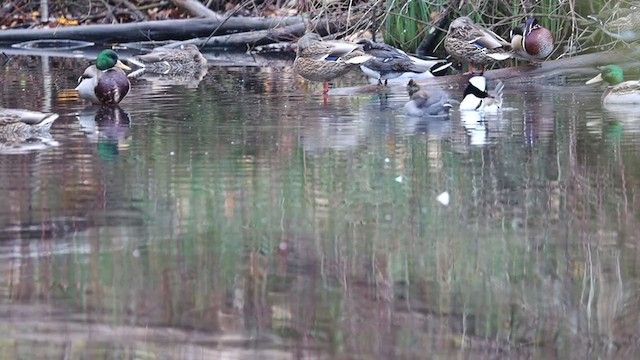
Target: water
[{"x": 242, "y": 216}]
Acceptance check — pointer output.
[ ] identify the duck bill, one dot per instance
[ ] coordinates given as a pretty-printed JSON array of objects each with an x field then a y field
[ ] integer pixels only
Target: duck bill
[
  {"x": 596, "y": 79},
  {"x": 121, "y": 65}
]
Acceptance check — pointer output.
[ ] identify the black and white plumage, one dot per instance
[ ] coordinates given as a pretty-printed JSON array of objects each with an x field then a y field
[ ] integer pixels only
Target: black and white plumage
[
  {"x": 389, "y": 62},
  {"x": 477, "y": 98}
]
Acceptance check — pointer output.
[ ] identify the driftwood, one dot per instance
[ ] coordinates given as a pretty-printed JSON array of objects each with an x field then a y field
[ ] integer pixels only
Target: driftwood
[
  {"x": 251, "y": 39},
  {"x": 247, "y": 39},
  {"x": 149, "y": 30},
  {"x": 196, "y": 8}
]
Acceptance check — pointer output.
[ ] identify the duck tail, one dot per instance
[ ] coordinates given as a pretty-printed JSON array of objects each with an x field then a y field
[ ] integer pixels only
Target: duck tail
[
  {"x": 440, "y": 69},
  {"x": 496, "y": 94},
  {"x": 45, "y": 124}
]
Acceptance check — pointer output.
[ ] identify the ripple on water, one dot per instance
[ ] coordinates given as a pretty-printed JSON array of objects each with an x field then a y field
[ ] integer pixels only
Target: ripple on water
[{"x": 250, "y": 202}]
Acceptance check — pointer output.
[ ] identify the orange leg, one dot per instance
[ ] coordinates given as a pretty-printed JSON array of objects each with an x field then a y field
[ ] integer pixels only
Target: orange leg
[
  {"x": 470, "y": 72},
  {"x": 325, "y": 87}
]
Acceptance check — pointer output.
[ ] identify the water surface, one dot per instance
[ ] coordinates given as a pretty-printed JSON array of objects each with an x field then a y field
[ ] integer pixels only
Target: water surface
[{"x": 243, "y": 216}]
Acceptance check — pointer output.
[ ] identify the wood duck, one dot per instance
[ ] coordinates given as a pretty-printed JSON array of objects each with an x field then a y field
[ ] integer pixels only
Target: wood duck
[{"x": 531, "y": 41}]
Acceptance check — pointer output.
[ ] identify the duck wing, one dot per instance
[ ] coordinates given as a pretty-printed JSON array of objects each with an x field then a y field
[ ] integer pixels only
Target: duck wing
[{"x": 487, "y": 38}]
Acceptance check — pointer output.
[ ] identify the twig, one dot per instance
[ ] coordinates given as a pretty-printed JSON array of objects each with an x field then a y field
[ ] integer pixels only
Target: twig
[{"x": 137, "y": 14}]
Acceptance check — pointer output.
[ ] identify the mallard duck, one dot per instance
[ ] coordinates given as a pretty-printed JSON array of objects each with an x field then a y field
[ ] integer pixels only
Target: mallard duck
[
  {"x": 104, "y": 82},
  {"x": 618, "y": 91},
  {"x": 477, "y": 98},
  {"x": 470, "y": 43},
  {"x": 389, "y": 62},
  {"x": 620, "y": 22},
  {"x": 433, "y": 102},
  {"x": 172, "y": 61},
  {"x": 319, "y": 60},
  {"x": 531, "y": 41},
  {"x": 23, "y": 122}
]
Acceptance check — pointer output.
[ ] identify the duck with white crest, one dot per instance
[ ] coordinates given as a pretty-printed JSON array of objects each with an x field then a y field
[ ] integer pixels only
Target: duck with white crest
[{"x": 477, "y": 98}]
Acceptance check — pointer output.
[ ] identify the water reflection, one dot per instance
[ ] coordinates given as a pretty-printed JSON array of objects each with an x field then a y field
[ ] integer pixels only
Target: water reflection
[
  {"x": 108, "y": 122},
  {"x": 244, "y": 217}
]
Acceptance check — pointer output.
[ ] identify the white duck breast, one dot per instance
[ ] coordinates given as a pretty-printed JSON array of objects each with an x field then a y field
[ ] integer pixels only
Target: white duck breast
[
  {"x": 474, "y": 94},
  {"x": 477, "y": 98}
]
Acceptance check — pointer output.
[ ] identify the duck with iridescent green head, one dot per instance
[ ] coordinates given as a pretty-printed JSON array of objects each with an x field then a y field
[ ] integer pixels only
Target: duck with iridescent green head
[
  {"x": 105, "y": 82},
  {"x": 618, "y": 91}
]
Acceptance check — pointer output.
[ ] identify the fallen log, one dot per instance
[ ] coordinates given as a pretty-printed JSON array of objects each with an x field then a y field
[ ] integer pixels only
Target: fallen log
[
  {"x": 251, "y": 39},
  {"x": 149, "y": 30},
  {"x": 552, "y": 71},
  {"x": 247, "y": 39},
  {"x": 215, "y": 58}
]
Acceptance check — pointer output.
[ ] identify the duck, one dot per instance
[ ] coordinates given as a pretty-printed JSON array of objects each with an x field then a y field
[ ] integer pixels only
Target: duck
[
  {"x": 621, "y": 23},
  {"x": 618, "y": 91},
  {"x": 389, "y": 62},
  {"x": 531, "y": 41},
  {"x": 318, "y": 60},
  {"x": 186, "y": 59},
  {"x": 470, "y": 43},
  {"x": 105, "y": 82},
  {"x": 477, "y": 98},
  {"x": 21, "y": 122},
  {"x": 431, "y": 103},
  {"x": 412, "y": 87}
]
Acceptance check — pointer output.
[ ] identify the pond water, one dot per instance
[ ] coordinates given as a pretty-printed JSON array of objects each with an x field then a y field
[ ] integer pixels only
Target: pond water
[{"x": 243, "y": 216}]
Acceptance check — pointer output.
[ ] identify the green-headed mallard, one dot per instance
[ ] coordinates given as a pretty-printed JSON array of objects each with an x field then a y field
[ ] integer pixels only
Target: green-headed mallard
[
  {"x": 621, "y": 22},
  {"x": 618, "y": 91},
  {"x": 531, "y": 41},
  {"x": 390, "y": 63},
  {"x": 172, "y": 61},
  {"x": 104, "y": 82},
  {"x": 23, "y": 122},
  {"x": 470, "y": 43},
  {"x": 477, "y": 98},
  {"x": 319, "y": 60}
]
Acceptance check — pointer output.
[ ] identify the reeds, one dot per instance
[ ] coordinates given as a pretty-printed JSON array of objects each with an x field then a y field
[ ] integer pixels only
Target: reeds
[{"x": 407, "y": 21}]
